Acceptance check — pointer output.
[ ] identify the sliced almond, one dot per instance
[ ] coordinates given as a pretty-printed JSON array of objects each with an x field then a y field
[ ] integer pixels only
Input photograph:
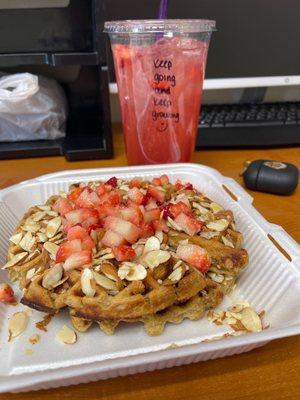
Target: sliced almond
[
  {"x": 176, "y": 275},
  {"x": 239, "y": 306},
  {"x": 227, "y": 242},
  {"x": 31, "y": 226},
  {"x": 251, "y": 320},
  {"x": 172, "y": 224},
  {"x": 53, "y": 227},
  {"x": 86, "y": 287},
  {"x": 216, "y": 207},
  {"x": 32, "y": 255},
  {"x": 108, "y": 256},
  {"x": 44, "y": 208},
  {"x": 105, "y": 282},
  {"x": 38, "y": 216},
  {"x": 42, "y": 237},
  {"x": 124, "y": 187},
  {"x": 30, "y": 273},
  {"x": 177, "y": 264},
  {"x": 208, "y": 234},
  {"x": 154, "y": 258},
  {"x": 132, "y": 272},
  {"x": 202, "y": 210},
  {"x": 151, "y": 244},
  {"x": 56, "y": 238},
  {"x": 205, "y": 204},
  {"x": 15, "y": 259},
  {"x": 27, "y": 242},
  {"x": 216, "y": 277},
  {"x": 107, "y": 250},
  {"x": 52, "y": 248},
  {"x": 218, "y": 225},
  {"x": 16, "y": 238},
  {"x": 52, "y": 213},
  {"x": 17, "y": 324},
  {"x": 110, "y": 271},
  {"x": 52, "y": 276},
  {"x": 139, "y": 250},
  {"x": 66, "y": 335},
  {"x": 160, "y": 236},
  {"x": 63, "y": 280}
]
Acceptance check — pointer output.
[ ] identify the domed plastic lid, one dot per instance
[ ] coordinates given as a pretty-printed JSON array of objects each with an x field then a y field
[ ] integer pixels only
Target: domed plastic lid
[{"x": 160, "y": 25}]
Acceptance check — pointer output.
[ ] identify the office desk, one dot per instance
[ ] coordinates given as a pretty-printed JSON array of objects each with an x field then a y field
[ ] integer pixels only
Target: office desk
[{"x": 269, "y": 373}]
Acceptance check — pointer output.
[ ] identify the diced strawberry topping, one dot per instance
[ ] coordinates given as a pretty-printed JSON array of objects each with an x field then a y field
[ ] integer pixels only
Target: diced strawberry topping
[
  {"x": 179, "y": 185},
  {"x": 188, "y": 224},
  {"x": 164, "y": 180},
  {"x": 90, "y": 221},
  {"x": 106, "y": 209},
  {"x": 156, "y": 182},
  {"x": 124, "y": 253},
  {"x": 189, "y": 186},
  {"x": 146, "y": 230},
  {"x": 95, "y": 227},
  {"x": 6, "y": 294},
  {"x": 194, "y": 255},
  {"x": 151, "y": 215},
  {"x": 178, "y": 208},
  {"x": 112, "y": 239},
  {"x": 75, "y": 217},
  {"x": 74, "y": 194},
  {"x": 76, "y": 232},
  {"x": 146, "y": 198},
  {"x": 160, "y": 225},
  {"x": 124, "y": 228},
  {"x": 166, "y": 211},
  {"x": 101, "y": 189},
  {"x": 136, "y": 195},
  {"x": 87, "y": 243},
  {"x": 112, "y": 182},
  {"x": 78, "y": 259},
  {"x": 151, "y": 204},
  {"x": 62, "y": 206},
  {"x": 114, "y": 198},
  {"x": 135, "y": 183},
  {"x": 132, "y": 214},
  {"x": 66, "y": 249},
  {"x": 184, "y": 200},
  {"x": 87, "y": 199},
  {"x": 156, "y": 193}
]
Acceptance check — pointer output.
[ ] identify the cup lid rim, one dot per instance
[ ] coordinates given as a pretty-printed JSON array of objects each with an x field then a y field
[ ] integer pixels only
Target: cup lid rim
[{"x": 160, "y": 25}]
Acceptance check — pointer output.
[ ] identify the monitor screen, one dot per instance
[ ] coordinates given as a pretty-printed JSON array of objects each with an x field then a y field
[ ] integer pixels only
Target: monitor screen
[{"x": 254, "y": 38}]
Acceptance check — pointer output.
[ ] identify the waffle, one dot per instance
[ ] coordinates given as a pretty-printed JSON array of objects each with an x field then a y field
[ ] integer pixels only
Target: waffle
[{"x": 176, "y": 266}]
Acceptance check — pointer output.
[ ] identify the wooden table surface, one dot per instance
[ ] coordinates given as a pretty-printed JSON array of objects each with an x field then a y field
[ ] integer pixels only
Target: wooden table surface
[{"x": 271, "y": 372}]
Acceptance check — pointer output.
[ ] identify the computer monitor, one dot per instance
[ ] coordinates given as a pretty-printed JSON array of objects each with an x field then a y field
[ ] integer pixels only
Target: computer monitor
[{"x": 256, "y": 43}]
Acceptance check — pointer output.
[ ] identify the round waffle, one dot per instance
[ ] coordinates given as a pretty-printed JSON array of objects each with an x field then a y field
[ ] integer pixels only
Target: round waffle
[{"x": 126, "y": 251}]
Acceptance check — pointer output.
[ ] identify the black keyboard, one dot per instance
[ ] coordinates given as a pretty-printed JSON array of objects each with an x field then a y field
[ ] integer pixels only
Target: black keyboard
[{"x": 249, "y": 125}]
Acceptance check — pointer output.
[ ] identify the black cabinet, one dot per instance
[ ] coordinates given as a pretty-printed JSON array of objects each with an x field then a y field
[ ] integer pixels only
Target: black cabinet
[{"x": 67, "y": 43}]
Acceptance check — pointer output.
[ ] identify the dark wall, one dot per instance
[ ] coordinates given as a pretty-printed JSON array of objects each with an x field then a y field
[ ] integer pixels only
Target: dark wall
[{"x": 253, "y": 38}]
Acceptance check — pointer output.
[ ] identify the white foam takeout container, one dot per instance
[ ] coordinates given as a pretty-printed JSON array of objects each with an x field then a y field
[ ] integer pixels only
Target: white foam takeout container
[{"x": 271, "y": 282}]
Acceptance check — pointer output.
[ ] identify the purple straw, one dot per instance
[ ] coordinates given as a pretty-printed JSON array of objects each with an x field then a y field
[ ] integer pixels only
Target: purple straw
[
  {"x": 162, "y": 14},
  {"x": 163, "y": 9}
]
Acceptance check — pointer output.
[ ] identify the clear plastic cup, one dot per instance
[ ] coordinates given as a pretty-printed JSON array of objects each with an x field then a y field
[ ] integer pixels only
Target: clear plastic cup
[{"x": 160, "y": 67}]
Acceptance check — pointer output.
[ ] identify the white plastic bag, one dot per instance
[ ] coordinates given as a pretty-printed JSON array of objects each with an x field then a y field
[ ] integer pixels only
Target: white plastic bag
[{"x": 31, "y": 108}]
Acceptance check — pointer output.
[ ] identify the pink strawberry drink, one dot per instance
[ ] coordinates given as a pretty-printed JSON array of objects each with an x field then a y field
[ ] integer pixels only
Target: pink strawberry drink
[{"x": 160, "y": 76}]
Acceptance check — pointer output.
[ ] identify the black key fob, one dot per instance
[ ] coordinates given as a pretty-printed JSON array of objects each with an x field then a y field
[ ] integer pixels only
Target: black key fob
[{"x": 271, "y": 176}]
